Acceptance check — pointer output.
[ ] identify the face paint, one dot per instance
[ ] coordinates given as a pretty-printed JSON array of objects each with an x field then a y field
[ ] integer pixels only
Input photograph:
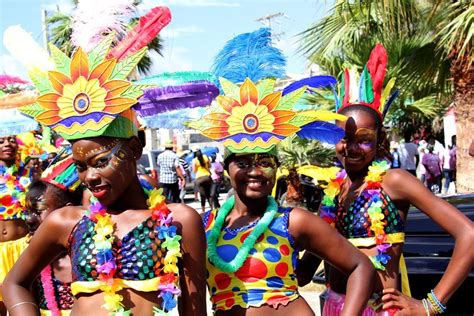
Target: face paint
[
  {"x": 365, "y": 138},
  {"x": 263, "y": 162},
  {"x": 103, "y": 160}
]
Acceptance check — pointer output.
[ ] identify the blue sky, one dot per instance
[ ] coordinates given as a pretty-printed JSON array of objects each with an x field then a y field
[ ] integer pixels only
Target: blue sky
[{"x": 198, "y": 30}]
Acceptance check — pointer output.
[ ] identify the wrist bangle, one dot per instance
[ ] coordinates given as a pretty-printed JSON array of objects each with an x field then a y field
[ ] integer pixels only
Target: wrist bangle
[
  {"x": 438, "y": 302},
  {"x": 22, "y": 303},
  {"x": 426, "y": 307}
]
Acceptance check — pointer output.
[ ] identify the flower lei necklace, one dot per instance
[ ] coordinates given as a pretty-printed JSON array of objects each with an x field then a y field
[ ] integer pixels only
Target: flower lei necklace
[
  {"x": 372, "y": 189},
  {"x": 107, "y": 263},
  {"x": 13, "y": 184},
  {"x": 249, "y": 242}
]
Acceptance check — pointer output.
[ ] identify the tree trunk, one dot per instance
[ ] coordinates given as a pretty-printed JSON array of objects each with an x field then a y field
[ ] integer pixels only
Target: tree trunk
[{"x": 463, "y": 80}]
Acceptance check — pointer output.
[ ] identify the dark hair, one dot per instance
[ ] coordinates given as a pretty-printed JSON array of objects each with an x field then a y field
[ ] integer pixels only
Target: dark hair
[
  {"x": 198, "y": 155},
  {"x": 367, "y": 110},
  {"x": 407, "y": 136},
  {"x": 35, "y": 191},
  {"x": 65, "y": 197}
]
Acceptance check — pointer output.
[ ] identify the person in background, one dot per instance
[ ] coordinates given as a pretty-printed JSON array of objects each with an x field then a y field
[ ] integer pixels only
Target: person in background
[
  {"x": 201, "y": 168},
  {"x": 408, "y": 153},
  {"x": 395, "y": 155},
  {"x": 187, "y": 175},
  {"x": 168, "y": 173},
  {"x": 448, "y": 162},
  {"x": 432, "y": 165},
  {"x": 217, "y": 172}
]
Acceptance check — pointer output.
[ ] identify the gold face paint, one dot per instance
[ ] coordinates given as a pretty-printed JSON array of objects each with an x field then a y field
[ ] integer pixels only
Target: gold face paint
[{"x": 103, "y": 159}]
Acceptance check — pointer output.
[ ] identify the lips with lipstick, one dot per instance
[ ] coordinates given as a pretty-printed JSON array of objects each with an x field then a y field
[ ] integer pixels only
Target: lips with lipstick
[
  {"x": 99, "y": 191},
  {"x": 255, "y": 184}
]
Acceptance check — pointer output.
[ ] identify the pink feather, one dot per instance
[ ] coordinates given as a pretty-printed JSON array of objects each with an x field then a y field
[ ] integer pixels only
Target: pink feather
[
  {"x": 143, "y": 33},
  {"x": 377, "y": 66}
]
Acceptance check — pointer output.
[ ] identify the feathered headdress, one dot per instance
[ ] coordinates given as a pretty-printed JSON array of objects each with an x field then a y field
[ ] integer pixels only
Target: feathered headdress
[
  {"x": 253, "y": 118},
  {"x": 249, "y": 55},
  {"x": 368, "y": 92},
  {"x": 12, "y": 96},
  {"x": 87, "y": 95},
  {"x": 62, "y": 174}
]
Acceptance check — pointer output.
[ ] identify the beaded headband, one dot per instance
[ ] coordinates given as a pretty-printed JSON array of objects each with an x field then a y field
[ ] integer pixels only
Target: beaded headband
[{"x": 87, "y": 95}]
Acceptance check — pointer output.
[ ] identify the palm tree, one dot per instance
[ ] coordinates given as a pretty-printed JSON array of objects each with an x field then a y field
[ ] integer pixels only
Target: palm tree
[
  {"x": 429, "y": 43},
  {"x": 60, "y": 30}
]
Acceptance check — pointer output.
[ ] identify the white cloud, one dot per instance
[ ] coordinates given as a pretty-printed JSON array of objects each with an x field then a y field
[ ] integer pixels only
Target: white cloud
[
  {"x": 171, "y": 32},
  {"x": 12, "y": 67},
  {"x": 191, "y": 3},
  {"x": 174, "y": 59}
]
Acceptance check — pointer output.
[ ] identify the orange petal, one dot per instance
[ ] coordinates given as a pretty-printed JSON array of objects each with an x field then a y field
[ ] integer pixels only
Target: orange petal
[
  {"x": 49, "y": 117},
  {"x": 49, "y": 101},
  {"x": 79, "y": 65},
  {"x": 226, "y": 103},
  {"x": 271, "y": 100},
  {"x": 285, "y": 129},
  {"x": 115, "y": 87},
  {"x": 58, "y": 80},
  {"x": 103, "y": 71},
  {"x": 118, "y": 105},
  {"x": 216, "y": 132},
  {"x": 282, "y": 116},
  {"x": 216, "y": 117},
  {"x": 248, "y": 92}
]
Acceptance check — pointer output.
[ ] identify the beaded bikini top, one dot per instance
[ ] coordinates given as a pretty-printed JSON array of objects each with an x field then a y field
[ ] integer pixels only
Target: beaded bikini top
[
  {"x": 62, "y": 293},
  {"x": 139, "y": 253},
  {"x": 267, "y": 276}
]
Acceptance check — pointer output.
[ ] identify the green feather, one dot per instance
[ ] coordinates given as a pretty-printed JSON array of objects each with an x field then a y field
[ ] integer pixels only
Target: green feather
[{"x": 366, "y": 92}]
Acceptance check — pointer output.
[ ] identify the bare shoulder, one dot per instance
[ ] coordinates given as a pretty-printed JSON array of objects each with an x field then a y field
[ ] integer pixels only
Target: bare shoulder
[
  {"x": 400, "y": 185},
  {"x": 184, "y": 214},
  {"x": 300, "y": 219},
  {"x": 396, "y": 176},
  {"x": 61, "y": 222}
]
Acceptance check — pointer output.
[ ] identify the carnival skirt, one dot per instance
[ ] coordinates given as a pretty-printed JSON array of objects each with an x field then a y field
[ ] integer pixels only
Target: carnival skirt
[
  {"x": 10, "y": 251},
  {"x": 335, "y": 302}
]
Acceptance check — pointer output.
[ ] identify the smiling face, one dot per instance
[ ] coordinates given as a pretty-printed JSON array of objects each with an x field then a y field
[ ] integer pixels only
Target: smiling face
[
  {"x": 358, "y": 148},
  {"x": 252, "y": 176},
  {"x": 105, "y": 165},
  {"x": 8, "y": 148}
]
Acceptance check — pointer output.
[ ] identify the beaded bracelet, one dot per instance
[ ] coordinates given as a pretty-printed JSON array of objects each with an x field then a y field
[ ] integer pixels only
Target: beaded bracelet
[{"x": 438, "y": 302}]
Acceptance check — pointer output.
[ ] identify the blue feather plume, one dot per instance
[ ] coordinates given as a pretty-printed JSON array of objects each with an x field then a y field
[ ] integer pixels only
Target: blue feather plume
[
  {"x": 323, "y": 131},
  {"x": 313, "y": 82},
  {"x": 389, "y": 102},
  {"x": 249, "y": 55}
]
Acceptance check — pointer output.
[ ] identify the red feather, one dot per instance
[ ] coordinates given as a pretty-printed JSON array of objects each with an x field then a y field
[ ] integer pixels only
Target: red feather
[
  {"x": 143, "y": 33},
  {"x": 347, "y": 84},
  {"x": 377, "y": 66}
]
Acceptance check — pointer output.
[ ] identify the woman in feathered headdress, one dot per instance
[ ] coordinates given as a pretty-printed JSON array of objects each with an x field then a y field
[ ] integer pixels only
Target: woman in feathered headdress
[
  {"x": 368, "y": 203},
  {"x": 14, "y": 177},
  {"x": 252, "y": 243},
  {"x": 130, "y": 251}
]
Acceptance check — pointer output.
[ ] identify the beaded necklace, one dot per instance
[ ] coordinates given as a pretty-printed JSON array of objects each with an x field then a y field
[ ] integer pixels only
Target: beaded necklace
[
  {"x": 372, "y": 190},
  {"x": 249, "y": 242},
  {"x": 107, "y": 262},
  {"x": 13, "y": 184}
]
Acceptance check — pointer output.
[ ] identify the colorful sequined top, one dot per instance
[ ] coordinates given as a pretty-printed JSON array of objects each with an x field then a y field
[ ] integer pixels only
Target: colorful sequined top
[
  {"x": 355, "y": 224},
  {"x": 14, "y": 181},
  {"x": 139, "y": 254},
  {"x": 267, "y": 275},
  {"x": 62, "y": 293}
]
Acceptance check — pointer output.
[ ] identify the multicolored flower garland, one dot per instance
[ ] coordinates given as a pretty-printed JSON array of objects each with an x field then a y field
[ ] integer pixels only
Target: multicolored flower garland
[
  {"x": 249, "y": 242},
  {"x": 13, "y": 184},
  {"x": 372, "y": 191},
  {"x": 107, "y": 263}
]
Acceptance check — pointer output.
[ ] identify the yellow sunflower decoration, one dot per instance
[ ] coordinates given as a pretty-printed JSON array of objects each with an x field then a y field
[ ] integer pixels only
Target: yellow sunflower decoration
[
  {"x": 87, "y": 95},
  {"x": 253, "y": 118}
]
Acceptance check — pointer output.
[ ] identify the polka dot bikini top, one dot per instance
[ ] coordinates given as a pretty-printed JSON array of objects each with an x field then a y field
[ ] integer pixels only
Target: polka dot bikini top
[
  {"x": 139, "y": 257},
  {"x": 267, "y": 275}
]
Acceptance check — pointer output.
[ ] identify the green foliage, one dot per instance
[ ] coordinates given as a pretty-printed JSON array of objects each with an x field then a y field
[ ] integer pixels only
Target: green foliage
[{"x": 296, "y": 151}]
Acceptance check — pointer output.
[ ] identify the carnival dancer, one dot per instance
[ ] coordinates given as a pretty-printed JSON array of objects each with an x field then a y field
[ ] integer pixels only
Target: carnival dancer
[
  {"x": 252, "y": 243},
  {"x": 367, "y": 202},
  {"x": 130, "y": 252},
  {"x": 14, "y": 177},
  {"x": 58, "y": 187}
]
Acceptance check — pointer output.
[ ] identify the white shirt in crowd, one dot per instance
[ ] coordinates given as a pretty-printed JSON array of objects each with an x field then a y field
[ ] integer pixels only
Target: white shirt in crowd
[{"x": 407, "y": 153}]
